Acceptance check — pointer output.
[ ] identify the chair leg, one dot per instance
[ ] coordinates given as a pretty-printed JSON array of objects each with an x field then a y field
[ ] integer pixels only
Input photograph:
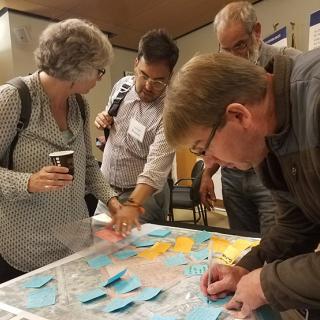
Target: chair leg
[
  {"x": 194, "y": 215},
  {"x": 204, "y": 216},
  {"x": 171, "y": 216}
]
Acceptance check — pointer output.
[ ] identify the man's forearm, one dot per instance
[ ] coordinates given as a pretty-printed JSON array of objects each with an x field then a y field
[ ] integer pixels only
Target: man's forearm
[{"x": 212, "y": 170}]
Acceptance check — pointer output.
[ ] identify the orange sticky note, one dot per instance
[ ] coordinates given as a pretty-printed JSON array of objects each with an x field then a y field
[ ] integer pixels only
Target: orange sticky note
[
  {"x": 219, "y": 244},
  {"x": 230, "y": 255},
  {"x": 183, "y": 244},
  {"x": 242, "y": 244},
  {"x": 148, "y": 254},
  {"x": 161, "y": 247},
  {"x": 110, "y": 235}
]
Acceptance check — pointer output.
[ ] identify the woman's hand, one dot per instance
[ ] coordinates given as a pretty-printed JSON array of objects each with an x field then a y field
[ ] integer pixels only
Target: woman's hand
[
  {"x": 49, "y": 178},
  {"x": 126, "y": 218}
]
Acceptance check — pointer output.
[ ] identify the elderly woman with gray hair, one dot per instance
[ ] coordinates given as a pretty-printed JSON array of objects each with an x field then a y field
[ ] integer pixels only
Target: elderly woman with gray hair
[{"x": 36, "y": 197}]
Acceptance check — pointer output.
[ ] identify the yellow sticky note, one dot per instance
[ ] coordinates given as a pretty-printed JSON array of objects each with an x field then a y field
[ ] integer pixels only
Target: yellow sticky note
[
  {"x": 219, "y": 244},
  {"x": 148, "y": 254},
  {"x": 183, "y": 244},
  {"x": 242, "y": 244},
  {"x": 230, "y": 255},
  {"x": 255, "y": 243},
  {"x": 161, "y": 247}
]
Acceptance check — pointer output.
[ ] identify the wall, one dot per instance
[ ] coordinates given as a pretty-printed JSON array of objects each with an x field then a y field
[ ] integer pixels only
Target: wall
[
  {"x": 284, "y": 11},
  {"x": 6, "y": 61},
  {"x": 123, "y": 61}
]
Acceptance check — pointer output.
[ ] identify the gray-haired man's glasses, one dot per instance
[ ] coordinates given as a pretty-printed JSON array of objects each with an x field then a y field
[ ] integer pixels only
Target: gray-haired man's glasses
[
  {"x": 240, "y": 46},
  {"x": 202, "y": 152}
]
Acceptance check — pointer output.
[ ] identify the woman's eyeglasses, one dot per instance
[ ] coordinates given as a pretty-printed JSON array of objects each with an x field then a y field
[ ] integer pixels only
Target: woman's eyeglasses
[{"x": 101, "y": 73}]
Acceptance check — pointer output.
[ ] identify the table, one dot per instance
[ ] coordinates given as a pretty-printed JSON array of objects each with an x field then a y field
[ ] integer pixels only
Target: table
[{"x": 72, "y": 275}]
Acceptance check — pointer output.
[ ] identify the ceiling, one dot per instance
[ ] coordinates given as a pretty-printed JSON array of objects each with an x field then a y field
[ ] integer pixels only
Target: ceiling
[{"x": 127, "y": 20}]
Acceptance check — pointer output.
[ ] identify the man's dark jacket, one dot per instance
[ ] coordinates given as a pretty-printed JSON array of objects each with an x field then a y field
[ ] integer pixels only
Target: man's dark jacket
[{"x": 291, "y": 279}]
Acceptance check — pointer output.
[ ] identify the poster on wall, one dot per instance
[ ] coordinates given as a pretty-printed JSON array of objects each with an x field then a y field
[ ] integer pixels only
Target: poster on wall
[
  {"x": 278, "y": 38},
  {"x": 314, "y": 31}
]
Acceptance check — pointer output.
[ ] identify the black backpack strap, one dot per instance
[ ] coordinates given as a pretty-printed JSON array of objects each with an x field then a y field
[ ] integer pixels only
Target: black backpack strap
[
  {"x": 81, "y": 106},
  {"x": 114, "y": 108},
  {"x": 24, "y": 115}
]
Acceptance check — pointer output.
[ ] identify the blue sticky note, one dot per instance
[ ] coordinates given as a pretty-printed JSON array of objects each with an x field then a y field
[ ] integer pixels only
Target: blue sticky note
[
  {"x": 144, "y": 243},
  {"x": 217, "y": 303},
  {"x": 42, "y": 297},
  {"x": 125, "y": 254},
  {"x": 204, "y": 313},
  {"x": 159, "y": 317},
  {"x": 195, "y": 270},
  {"x": 117, "y": 303},
  {"x": 99, "y": 261},
  {"x": 37, "y": 281},
  {"x": 147, "y": 294},
  {"x": 91, "y": 295},
  {"x": 161, "y": 233},
  {"x": 125, "y": 286},
  {"x": 176, "y": 260},
  {"x": 114, "y": 278},
  {"x": 200, "y": 255},
  {"x": 202, "y": 236}
]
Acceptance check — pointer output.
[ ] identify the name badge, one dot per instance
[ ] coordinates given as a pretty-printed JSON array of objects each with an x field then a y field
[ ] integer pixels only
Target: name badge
[{"x": 136, "y": 129}]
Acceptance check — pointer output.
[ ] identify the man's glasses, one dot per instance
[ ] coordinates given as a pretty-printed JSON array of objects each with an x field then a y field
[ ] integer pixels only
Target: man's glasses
[
  {"x": 240, "y": 46},
  {"x": 156, "y": 84},
  {"x": 202, "y": 152},
  {"x": 101, "y": 73}
]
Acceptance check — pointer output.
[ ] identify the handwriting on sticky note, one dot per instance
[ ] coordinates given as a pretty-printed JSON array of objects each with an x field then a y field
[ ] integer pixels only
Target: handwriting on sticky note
[
  {"x": 183, "y": 244},
  {"x": 204, "y": 313},
  {"x": 230, "y": 255},
  {"x": 42, "y": 297},
  {"x": 195, "y": 270},
  {"x": 109, "y": 235},
  {"x": 91, "y": 295}
]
